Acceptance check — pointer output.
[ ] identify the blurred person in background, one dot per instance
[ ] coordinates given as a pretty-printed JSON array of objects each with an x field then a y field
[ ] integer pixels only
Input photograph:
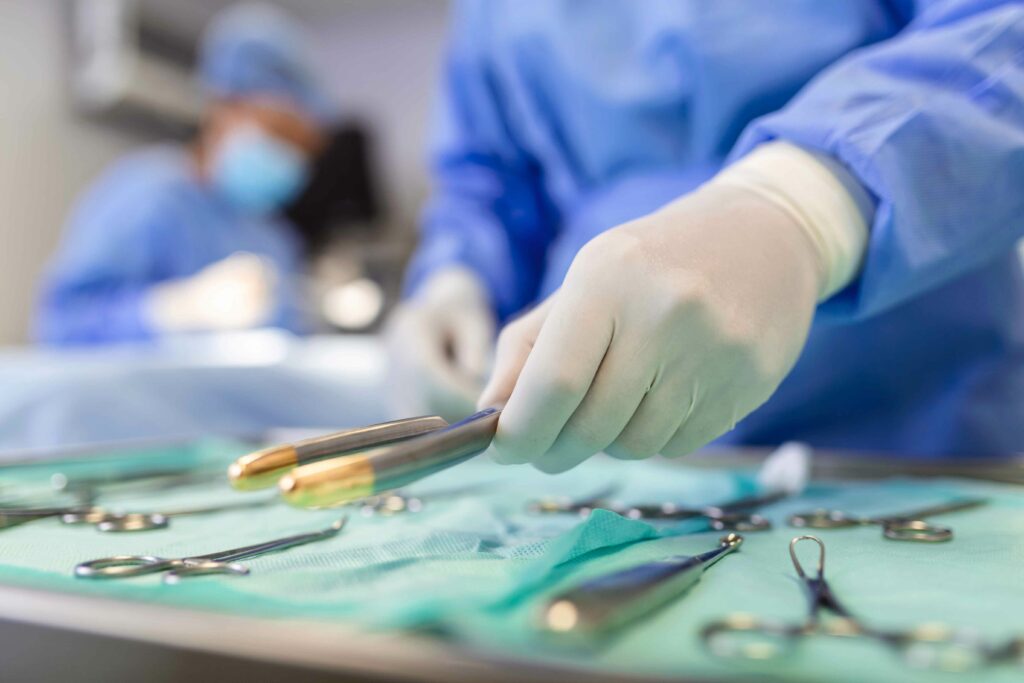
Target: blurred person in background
[
  {"x": 778, "y": 221},
  {"x": 175, "y": 239}
]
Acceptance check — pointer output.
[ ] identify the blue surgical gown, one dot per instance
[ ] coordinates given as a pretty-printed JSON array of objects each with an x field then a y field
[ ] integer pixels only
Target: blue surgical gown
[
  {"x": 559, "y": 119},
  {"x": 148, "y": 220}
]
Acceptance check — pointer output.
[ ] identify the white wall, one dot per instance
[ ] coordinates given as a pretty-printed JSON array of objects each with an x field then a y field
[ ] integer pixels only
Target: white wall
[
  {"x": 46, "y": 154},
  {"x": 382, "y": 60}
]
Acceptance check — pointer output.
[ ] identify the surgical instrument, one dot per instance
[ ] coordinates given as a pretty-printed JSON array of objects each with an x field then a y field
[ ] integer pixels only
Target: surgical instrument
[
  {"x": 731, "y": 516},
  {"x": 222, "y": 562},
  {"x": 87, "y": 489},
  {"x": 10, "y": 517},
  {"x": 108, "y": 521},
  {"x": 388, "y": 504},
  {"x": 359, "y": 475},
  {"x": 399, "y": 502},
  {"x": 146, "y": 521},
  {"x": 581, "y": 506},
  {"x": 264, "y": 468},
  {"x": 933, "y": 646},
  {"x": 908, "y": 526},
  {"x": 606, "y": 603}
]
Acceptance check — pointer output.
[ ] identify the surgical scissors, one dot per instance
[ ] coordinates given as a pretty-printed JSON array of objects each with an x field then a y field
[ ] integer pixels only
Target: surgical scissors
[
  {"x": 908, "y": 526},
  {"x": 931, "y": 646},
  {"x": 222, "y": 562},
  {"x": 732, "y": 516}
]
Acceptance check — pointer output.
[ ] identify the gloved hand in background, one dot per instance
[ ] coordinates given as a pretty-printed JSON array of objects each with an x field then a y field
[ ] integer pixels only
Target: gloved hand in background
[
  {"x": 440, "y": 343},
  {"x": 669, "y": 329},
  {"x": 235, "y": 293}
]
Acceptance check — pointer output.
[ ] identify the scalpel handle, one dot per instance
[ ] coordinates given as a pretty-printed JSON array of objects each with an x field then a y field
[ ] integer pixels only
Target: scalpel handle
[{"x": 607, "y": 603}]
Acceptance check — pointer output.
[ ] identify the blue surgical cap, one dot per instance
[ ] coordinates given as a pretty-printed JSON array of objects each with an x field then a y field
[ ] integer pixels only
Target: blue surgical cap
[{"x": 256, "y": 50}]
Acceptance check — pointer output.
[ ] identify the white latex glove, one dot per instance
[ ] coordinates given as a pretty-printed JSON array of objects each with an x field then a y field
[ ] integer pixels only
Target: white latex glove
[
  {"x": 440, "y": 342},
  {"x": 669, "y": 329},
  {"x": 234, "y": 293}
]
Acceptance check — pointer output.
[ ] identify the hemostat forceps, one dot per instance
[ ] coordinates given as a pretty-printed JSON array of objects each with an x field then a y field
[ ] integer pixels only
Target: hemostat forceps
[
  {"x": 908, "y": 526},
  {"x": 222, "y": 562},
  {"x": 932, "y": 646},
  {"x": 734, "y": 515}
]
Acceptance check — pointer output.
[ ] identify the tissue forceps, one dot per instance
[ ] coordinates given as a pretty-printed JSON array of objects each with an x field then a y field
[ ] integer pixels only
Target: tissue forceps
[
  {"x": 264, "y": 468},
  {"x": 222, "y": 562},
  {"x": 908, "y": 526},
  {"x": 401, "y": 461},
  {"x": 731, "y": 516}
]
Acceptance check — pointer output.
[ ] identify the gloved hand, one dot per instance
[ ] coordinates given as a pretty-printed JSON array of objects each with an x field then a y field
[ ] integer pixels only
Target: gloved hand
[
  {"x": 440, "y": 344},
  {"x": 234, "y": 293},
  {"x": 667, "y": 330}
]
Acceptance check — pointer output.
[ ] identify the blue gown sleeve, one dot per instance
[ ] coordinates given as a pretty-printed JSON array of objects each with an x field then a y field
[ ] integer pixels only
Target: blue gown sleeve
[
  {"x": 94, "y": 289},
  {"x": 488, "y": 211},
  {"x": 931, "y": 122}
]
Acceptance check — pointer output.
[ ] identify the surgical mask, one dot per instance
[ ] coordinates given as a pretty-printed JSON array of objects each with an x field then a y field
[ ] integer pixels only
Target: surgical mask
[{"x": 257, "y": 172}]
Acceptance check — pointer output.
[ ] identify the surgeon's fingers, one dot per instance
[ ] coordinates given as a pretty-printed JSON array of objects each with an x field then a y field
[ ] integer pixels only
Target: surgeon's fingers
[
  {"x": 472, "y": 334},
  {"x": 514, "y": 345},
  {"x": 708, "y": 421},
  {"x": 556, "y": 376},
  {"x": 657, "y": 419},
  {"x": 617, "y": 390}
]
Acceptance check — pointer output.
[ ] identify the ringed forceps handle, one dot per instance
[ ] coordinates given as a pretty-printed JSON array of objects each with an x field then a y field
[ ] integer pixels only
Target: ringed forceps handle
[
  {"x": 912, "y": 527},
  {"x": 893, "y": 528},
  {"x": 126, "y": 566},
  {"x": 907, "y": 526}
]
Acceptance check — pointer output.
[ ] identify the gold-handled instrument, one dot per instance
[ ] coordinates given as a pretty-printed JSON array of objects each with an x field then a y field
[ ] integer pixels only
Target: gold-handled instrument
[
  {"x": 264, "y": 468},
  {"x": 342, "y": 480}
]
